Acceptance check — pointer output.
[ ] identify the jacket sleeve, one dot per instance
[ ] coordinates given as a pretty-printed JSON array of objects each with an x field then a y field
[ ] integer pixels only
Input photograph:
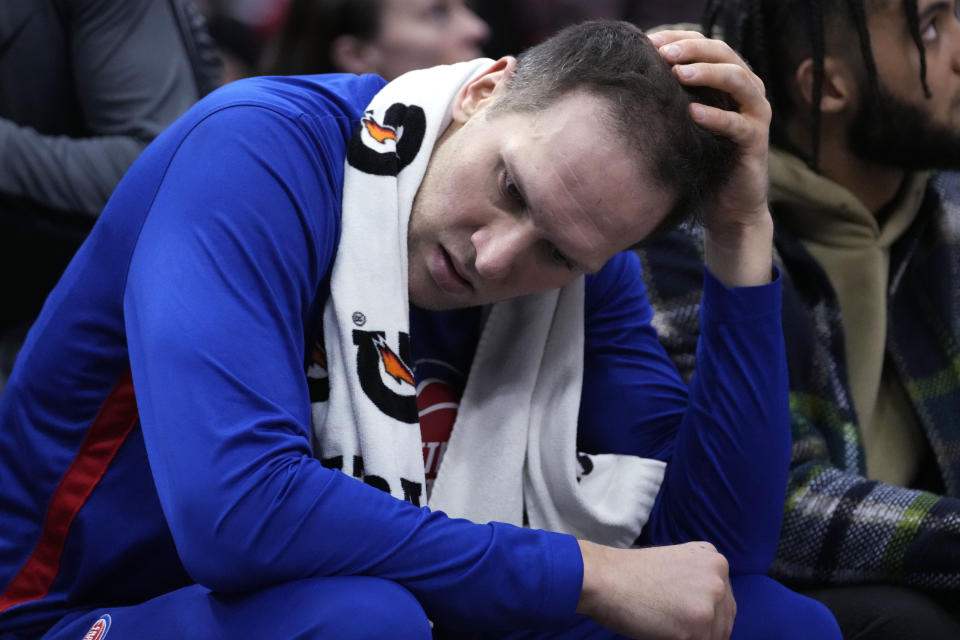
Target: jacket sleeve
[
  {"x": 842, "y": 528},
  {"x": 132, "y": 77},
  {"x": 839, "y": 527},
  {"x": 238, "y": 239}
]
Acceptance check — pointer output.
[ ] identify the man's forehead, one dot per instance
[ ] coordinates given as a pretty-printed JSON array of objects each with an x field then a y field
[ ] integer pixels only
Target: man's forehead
[
  {"x": 573, "y": 165},
  {"x": 599, "y": 202}
]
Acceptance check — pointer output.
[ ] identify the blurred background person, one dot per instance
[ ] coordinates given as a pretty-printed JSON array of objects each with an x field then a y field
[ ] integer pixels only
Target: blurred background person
[
  {"x": 85, "y": 85},
  {"x": 386, "y": 37},
  {"x": 244, "y": 29},
  {"x": 240, "y": 29},
  {"x": 647, "y": 14},
  {"x": 239, "y": 45},
  {"x": 516, "y": 25}
]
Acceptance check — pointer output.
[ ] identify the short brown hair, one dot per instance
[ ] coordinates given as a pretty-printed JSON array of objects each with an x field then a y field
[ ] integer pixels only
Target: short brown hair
[{"x": 648, "y": 107}]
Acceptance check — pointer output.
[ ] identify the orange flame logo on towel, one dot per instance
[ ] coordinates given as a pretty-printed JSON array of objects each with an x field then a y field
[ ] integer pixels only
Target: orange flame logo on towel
[
  {"x": 320, "y": 357},
  {"x": 379, "y": 133},
  {"x": 394, "y": 366}
]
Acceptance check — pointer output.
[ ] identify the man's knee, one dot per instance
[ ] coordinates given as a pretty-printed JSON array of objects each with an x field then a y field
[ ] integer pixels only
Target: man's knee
[
  {"x": 373, "y": 608},
  {"x": 354, "y": 608},
  {"x": 350, "y": 607},
  {"x": 767, "y": 609}
]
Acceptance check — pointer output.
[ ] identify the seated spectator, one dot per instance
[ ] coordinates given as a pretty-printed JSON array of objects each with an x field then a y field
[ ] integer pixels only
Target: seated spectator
[
  {"x": 866, "y": 134},
  {"x": 86, "y": 85},
  {"x": 385, "y": 37}
]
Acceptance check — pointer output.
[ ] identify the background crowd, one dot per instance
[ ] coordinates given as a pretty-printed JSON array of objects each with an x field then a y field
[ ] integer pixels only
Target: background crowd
[{"x": 96, "y": 91}]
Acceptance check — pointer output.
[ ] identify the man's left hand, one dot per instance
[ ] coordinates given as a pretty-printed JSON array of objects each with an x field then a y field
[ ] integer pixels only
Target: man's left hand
[{"x": 739, "y": 231}]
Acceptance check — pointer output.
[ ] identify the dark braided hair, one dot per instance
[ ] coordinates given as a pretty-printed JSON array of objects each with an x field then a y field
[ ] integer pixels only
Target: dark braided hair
[
  {"x": 773, "y": 36},
  {"x": 913, "y": 21}
]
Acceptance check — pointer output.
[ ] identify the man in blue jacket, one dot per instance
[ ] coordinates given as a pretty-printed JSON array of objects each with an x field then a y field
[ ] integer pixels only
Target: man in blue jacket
[{"x": 420, "y": 285}]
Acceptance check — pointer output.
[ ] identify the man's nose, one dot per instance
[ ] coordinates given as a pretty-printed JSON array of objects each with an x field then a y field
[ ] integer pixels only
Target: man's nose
[
  {"x": 500, "y": 246},
  {"x": 953, "y": 39},
  {"x": 473, "y": 29}
]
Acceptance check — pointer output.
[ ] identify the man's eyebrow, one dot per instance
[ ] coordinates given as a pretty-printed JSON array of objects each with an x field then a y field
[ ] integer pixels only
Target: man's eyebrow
[
  {"x": 518, "y": 180},
  {"x": 932, "y": 8}
]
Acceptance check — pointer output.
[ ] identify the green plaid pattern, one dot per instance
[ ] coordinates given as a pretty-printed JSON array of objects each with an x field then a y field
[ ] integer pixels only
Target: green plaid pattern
[{"x": 839, "y": 527}]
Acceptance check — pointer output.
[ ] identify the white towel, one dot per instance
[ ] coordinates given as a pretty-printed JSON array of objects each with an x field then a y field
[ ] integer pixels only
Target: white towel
[{"x": 513, "y": 447}]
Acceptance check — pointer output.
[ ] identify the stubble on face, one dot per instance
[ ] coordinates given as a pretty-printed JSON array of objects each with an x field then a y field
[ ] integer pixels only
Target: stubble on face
[
  {"x": 896, "y": 125},
  {"x": 891, "y": 131},
  {"x": 432, "y": 197}
]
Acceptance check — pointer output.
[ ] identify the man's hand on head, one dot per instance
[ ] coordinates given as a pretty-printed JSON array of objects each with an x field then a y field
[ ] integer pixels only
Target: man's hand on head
[
  {"x": 739, "y": 231},
  {"x": 678, "y": 591}
]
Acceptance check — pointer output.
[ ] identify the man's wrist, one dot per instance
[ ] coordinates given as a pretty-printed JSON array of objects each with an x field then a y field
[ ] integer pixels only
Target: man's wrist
[
  {"x": 741, "y": 255},
  {"x": 594, "y": 558},
  {"x": 589, "y": 552}
]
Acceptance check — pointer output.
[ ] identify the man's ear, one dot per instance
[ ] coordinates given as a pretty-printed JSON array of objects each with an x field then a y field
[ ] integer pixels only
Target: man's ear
[
  {"x": 483, "y": 89},
  {"x": 350, "y": 54},
  {"x": 837, "y": 90}
]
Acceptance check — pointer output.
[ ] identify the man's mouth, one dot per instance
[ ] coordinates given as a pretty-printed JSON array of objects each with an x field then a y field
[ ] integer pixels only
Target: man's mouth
[{"x": 447, "y": 273}]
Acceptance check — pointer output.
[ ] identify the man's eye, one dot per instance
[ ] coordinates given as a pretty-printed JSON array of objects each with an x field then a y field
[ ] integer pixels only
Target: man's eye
[
  {"x": 561, "y": 259},
  {"x": 439, "y": 11},
  {"x": 513, "y": 191}
]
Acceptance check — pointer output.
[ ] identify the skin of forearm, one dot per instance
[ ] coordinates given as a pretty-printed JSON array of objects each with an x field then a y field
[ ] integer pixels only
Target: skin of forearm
[{"x": 741, "y": 255}]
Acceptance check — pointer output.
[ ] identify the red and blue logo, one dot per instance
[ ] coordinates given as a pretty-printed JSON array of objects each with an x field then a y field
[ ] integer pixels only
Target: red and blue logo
[{"x": 99, "y": 629}]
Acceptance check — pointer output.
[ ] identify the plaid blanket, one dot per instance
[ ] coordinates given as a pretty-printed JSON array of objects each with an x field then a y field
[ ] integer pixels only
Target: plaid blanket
[{"x": 840, "y": 527}]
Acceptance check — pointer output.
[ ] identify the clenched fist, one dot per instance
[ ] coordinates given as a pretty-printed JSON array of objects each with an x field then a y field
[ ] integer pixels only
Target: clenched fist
[{"x": 672, "y": 592}]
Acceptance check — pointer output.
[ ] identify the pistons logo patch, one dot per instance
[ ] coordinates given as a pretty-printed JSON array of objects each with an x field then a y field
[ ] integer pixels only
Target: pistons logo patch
[
  {"x": 383, "y": 146},
  {"x": 438, "y": 402},
  {"x": 99, "y": 629},
  {"x": 385, "y": 376}
]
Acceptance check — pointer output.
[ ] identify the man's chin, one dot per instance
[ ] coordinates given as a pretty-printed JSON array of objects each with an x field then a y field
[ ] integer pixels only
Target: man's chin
[
  {"x": 439, "y": 305},
  {"x": 436, "y": 300},
  {"x": 912, "y": 157},
  {"x": 893, "y": 133}
]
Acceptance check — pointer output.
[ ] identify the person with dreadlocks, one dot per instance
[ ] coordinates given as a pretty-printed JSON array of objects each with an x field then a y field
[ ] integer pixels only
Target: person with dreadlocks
[{"x": 865, "y": 131}]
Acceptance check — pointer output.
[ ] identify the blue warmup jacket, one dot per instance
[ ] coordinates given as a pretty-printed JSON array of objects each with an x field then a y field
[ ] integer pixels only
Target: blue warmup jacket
[{"x": 155, "y": 432}]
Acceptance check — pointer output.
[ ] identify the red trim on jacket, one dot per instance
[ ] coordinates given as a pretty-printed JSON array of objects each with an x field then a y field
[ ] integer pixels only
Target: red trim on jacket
[{"x": 109, "y": 430}]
